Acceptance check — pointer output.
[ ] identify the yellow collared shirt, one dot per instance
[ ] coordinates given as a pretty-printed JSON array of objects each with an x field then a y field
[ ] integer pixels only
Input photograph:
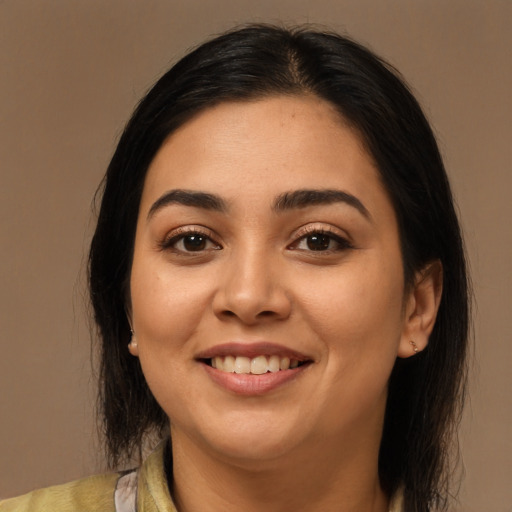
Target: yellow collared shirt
[{"x": 113, "y": 492}]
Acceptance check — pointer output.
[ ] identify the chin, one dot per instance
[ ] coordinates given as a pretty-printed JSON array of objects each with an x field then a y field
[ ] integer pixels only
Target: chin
[
  {"x": 246, "y": 442},
  {"x": 252, "y": 453}
]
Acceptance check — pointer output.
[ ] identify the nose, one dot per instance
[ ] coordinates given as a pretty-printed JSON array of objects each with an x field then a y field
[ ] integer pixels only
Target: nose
[{"x": 251, "y": 289}]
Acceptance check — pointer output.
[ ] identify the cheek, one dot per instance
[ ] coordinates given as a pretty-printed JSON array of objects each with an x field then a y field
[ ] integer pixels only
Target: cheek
[
  {"x": 359, "y": 322},
  {"x": 357, "y": 314},
  {"x": 355, "y": 305},
  {"x": 166, "y": 312},
  {"x": 166, "y": 306}
]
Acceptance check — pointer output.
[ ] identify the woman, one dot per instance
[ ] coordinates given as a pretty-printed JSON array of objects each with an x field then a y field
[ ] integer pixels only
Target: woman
[{"x": 277, "y": 246}]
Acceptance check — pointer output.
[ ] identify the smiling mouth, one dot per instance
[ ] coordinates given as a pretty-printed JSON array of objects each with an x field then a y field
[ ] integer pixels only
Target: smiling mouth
[
  {"x": 255, "y": 366},
  {"x": 253, "y": 369}
]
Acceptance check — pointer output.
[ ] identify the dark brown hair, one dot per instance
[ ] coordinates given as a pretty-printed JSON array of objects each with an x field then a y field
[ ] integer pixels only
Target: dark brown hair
[{"x": 425, "y": 391}]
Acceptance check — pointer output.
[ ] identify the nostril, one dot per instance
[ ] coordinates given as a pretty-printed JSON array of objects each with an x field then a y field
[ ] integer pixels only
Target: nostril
[
  {"x": 261, "y": 314},
  {"x": 251, "y": 305}
]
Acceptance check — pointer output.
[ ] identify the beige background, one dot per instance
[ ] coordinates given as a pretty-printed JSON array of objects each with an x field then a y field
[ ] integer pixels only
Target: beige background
[{"x": 71, "y": 71}]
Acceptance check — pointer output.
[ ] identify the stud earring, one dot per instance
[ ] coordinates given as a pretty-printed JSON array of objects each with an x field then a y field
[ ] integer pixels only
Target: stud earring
[
  {"x": 133, "y": 341},
  {"x": 414, "y": 346}
]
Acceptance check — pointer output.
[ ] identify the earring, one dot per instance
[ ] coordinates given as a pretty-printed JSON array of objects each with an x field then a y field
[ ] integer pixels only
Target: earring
[
  {"x": 414, "y": 346},
  {"x": 133, "y": 341}
]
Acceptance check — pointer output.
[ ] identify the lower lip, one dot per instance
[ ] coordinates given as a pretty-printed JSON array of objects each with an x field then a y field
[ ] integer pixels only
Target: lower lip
[{"x": 253, "y": 385}]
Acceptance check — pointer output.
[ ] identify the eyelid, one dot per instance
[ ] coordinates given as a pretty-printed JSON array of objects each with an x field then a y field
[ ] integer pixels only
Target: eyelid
[{"x": 320, "y": 228}]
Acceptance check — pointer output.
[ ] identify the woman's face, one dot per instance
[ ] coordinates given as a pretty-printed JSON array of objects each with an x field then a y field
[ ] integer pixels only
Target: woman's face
[{"x": 265, "y": 238}]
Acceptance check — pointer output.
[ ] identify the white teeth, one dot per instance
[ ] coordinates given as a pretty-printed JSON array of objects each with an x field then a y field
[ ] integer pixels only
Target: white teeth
[
  {"x": 259, "y": 365},
  {"x": 229, "y": 364},
  {"x": 242, "y": 365},
  {"x": 255, "y": 366},
  {"x": 273, "y": 364},
  {"x": 284, "y": 363}
]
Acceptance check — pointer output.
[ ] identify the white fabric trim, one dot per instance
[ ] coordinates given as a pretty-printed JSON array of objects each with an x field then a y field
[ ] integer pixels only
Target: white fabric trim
[{"x": 125, "y": 496}]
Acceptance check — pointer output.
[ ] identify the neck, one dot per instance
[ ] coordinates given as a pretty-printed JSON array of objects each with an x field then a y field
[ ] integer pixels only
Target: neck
[{"x": 316, "y": 478}]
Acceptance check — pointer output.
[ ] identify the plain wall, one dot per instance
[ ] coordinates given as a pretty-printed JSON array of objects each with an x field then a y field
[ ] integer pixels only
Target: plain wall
[{"x": 71, "y": 73}]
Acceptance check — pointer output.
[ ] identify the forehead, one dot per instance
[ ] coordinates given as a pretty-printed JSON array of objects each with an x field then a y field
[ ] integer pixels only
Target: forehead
[{"x": 265, "y": 146}]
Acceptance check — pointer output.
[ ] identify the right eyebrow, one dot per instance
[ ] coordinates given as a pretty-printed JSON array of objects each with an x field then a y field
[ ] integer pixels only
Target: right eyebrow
[
  {"x": 192, "y": 198},
  {"x": 310, "y": 197}
]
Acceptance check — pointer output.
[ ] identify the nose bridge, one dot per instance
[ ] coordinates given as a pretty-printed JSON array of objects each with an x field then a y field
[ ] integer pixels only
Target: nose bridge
[{"x": 252, "y": 287}]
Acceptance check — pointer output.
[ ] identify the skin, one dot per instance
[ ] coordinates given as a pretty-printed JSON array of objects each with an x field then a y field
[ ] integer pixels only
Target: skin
[{"x": 312, "y": 443}]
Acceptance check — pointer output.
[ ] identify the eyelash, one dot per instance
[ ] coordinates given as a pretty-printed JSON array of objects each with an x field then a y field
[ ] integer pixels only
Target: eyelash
[{"x": 169, "y": 242}]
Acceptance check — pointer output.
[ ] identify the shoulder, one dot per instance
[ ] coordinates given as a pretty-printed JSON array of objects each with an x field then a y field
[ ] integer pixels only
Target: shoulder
[{"x": 88, "y": 494}]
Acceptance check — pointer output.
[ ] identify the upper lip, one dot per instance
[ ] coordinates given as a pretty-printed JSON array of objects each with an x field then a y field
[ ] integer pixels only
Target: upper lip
[{"x": 251, "y": 350}]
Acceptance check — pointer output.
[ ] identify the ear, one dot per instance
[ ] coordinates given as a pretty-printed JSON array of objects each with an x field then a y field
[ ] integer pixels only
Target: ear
[{"x": 422, "y": 304}]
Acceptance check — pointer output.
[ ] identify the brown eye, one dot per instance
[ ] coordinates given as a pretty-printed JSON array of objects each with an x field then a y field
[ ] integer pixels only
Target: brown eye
[
  {"x": 318, "y": 242},
  {"x": 189, "y": 242},
  {"x": 321, "y": 241},
  {"x": 194, "y": 242}
]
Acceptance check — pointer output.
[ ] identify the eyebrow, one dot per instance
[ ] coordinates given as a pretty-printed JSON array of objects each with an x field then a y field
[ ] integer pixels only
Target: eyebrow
[
  {"x": 284, "y": 202},
  {"x": 304, "y": 198},
  {"x": 188, "y": 198}
]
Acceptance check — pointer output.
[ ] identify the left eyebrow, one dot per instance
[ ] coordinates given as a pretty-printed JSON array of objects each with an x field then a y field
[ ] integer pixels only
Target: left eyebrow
[
  {"x": 311, "y": 197},
  {"x": 191, "y": 198}
]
